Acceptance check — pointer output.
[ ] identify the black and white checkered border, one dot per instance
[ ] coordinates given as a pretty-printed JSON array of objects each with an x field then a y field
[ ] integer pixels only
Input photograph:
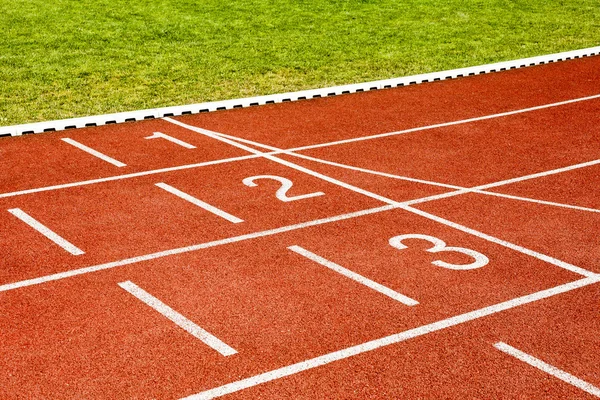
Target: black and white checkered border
[{"x": 97, "y": 120}]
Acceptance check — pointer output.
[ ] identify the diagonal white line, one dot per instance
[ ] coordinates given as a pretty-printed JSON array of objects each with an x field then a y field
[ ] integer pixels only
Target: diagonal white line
[
  {"x": 388, "y": 340},
  {"x": 405, "y": 205},
  {"x": 200, "y": 203},
  {"x": 354, "y": 276},
  {"x": 459, "y": 189},
  {"x": 47, "y": 232},
  {"x": 178, "y": 319},
  {"x": 235, "y": 159},
  {"x": 549, "y": 369},
  {"x": 446, "y": 124},
  {"x": 171, "y": 139},
  {"x": 93, "y": 152}
]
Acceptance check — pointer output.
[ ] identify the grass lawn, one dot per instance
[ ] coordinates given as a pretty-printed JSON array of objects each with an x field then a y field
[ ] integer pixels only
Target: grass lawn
[{"x": 67, "y": 58}]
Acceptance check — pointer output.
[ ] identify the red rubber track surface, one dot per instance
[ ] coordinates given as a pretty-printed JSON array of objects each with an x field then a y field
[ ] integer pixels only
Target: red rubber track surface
[{"x": 503, "y": 168}]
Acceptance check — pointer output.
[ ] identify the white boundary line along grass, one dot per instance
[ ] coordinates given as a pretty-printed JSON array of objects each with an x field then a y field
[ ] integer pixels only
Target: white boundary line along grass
[
  {"x": 291, "y": 151},
  {"x": 98, "y": 120},
  {"x": 93, "y": 152},
  {"x": 388, "y": 340},
  {"x": 549, "y": 369},
  {"x": 47, "y": 232},
  {"x": 178, "y": 319},
  {"x": 404, "y": 205},
  {"x": 354, "y": 276}
]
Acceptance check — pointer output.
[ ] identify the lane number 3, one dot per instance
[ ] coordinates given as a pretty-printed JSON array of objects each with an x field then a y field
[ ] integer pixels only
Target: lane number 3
[
  {"x": 286, "y": 184},
  {"x": 440, "y": 246}
]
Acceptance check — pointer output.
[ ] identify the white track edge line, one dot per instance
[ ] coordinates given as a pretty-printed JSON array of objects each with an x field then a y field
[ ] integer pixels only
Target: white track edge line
[
  {"x": 547, "y": 368},
  {"x": 98, "y": 120},
  {"x": 388, "y": 340}
]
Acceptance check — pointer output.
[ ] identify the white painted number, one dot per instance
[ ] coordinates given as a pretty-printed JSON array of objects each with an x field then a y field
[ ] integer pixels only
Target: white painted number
[
  {"x": 286, "y": 184},
  {"x": 440, "y": 246}
]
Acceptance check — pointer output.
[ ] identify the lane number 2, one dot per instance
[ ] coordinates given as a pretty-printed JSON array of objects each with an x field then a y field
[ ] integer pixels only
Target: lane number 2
[
  {"x": 440, "y": 246},
  {"x": 286, "y": 184}
]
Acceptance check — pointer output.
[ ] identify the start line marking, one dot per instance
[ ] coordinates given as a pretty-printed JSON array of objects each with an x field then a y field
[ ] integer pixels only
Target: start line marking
[
  {"x": 47, "y": 232},
  {"x": 178, "y": 319},
  {"x": 95, "y": 153},
  {"x": 354, "y": 276}
]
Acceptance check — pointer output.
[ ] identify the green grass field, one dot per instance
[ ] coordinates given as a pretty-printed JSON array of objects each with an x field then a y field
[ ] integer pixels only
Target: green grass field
[{"x": 67, "y": 58}]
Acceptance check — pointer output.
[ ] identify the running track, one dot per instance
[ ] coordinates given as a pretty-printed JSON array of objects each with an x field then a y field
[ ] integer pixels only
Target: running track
[{"x": 445, "y": 244}]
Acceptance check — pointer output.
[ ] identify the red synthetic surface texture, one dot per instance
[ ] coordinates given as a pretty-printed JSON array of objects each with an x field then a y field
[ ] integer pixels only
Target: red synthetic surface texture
[{"x": 85, "y": 337}]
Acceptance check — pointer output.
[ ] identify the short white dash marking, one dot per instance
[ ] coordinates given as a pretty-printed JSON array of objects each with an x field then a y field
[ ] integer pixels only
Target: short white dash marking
[
  {"x": 200, "y": 203},
  {"x": 177, "y": 318},
  {"x": 171, "y": 139},
  {"x": 93, "y": 152},
  {"x": 547, "y": 368},
  {"x": 44, "y": 230},
  {"x": 354, "y": 276}
]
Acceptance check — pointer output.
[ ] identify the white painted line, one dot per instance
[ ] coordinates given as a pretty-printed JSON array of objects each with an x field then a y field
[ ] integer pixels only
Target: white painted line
[
  {"x": 520, "y": 249},
  {"x": 82, "y": 122},
  {"x": 446, "y": 124},
  {"x": 297, "y": 167},
  {"x": 44, "y": 230},
  {"x": 126, "y": 176},
  {"x": 171, "y": 139},
  {"x": 147, "y": 257},
  {"x": 388, "y": 340},
  {"x": 405, "y": 206},
  {"x": 178, "y": 319},
  {"x": 539, "y": 174},
  {"x": 288, "y": 151},
  {"x": 93, "y": 152},
  {"x": 462, "y": 190},
  {"x": 549, "y": 369},
  {"x": 459, "y": 189},
  {"x": 354, "y": 276},
  {"x": 200, "y": 203}
]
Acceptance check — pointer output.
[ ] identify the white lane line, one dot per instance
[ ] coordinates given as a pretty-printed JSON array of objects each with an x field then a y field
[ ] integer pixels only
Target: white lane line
[
  {"x": 127, "y": 176},
  {"x": 178, "y": 319},
  {"x": 93, "y": 152},
  {"x": 114, "y": 264},
  {"x": 235, "y": 159},
  {"x": 200, "y": 203},
  {"x": 44, "y": 230},
  {"x": 388, "y": 340},
  {"x": 549, "y": 369},
  {"x": 405, "y": 206},
  {"x": 446, "y": 124},
  {"x": 459, "y": 189},
  {"x": 354, "y": 276},
  {"x": 157, "y": 135}
]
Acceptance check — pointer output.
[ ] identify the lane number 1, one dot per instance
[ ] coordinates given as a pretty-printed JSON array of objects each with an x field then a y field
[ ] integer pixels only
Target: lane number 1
[{"x": 440, "y": 246}]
